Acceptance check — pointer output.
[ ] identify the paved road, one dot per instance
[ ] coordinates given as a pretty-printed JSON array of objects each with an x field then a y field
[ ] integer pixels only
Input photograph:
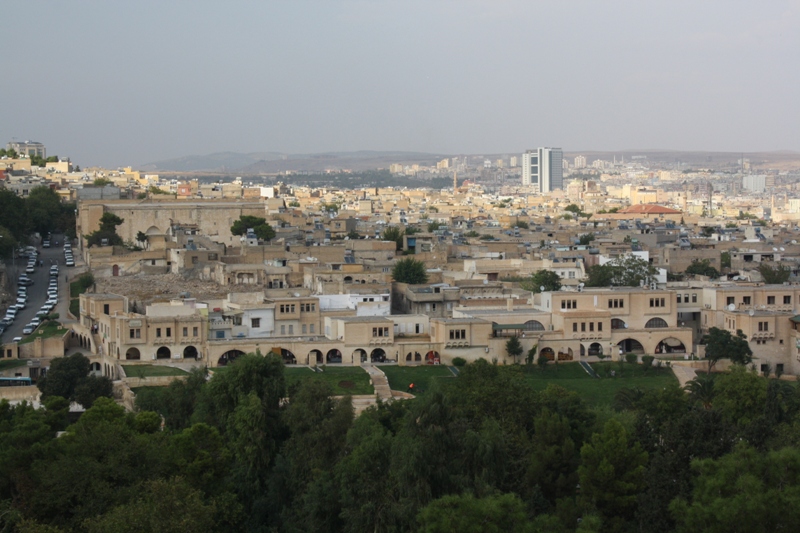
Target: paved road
[{"x": 37, "y": 293}]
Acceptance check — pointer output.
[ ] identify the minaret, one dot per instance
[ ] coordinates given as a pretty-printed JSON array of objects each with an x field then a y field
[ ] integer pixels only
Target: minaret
[{"x": 455, "y": 181}]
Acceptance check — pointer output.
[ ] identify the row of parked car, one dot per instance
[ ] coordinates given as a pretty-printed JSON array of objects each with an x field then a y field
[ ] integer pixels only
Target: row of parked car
[{"x": 22, "y": 297}]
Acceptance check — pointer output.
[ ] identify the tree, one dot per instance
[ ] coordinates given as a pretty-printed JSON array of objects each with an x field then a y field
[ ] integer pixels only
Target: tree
[
  {"x": 522, "y": 224},
  {"x": 702, "y": 268},
  {"x": 743, "y": 491},
  {"x": 262, "y": 229},
  {"x": 514, "y": 348},
  {"x": 141, "y": 236},
  {"x": 720, "y": 344},
  {"x": 586, "y": 239},
  {"x": 409, "y": 270},
  {"x": 107, "y": 231},
  {"x": 623, "y": 271},
  {"x": 774, "y": 275},
  {"x": 7, "y": 243},
  {"x": 433, "y": 226},
  {"x": 91, "y": 388},
  {"x": 353, "y": 235},
  {"x": 740, "y": 395},
  {"x": 102, "y": 182},
  {"x": 465, "y": 513},
  {"x": 395, "y": 234},
  {"x": 612, "y": 473},
  {"x": 14, "y": 214},
  {"x": 44, "y": 208},
  {"x": 725, "y": 260},
  {"x": 548, "y": 279}
]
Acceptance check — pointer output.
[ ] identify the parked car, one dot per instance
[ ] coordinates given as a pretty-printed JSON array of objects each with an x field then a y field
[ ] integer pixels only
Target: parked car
[{"x": 28, "y": 329}]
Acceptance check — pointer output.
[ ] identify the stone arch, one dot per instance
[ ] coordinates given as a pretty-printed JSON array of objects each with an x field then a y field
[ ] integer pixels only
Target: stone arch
[
  {"x": 360, "y": 356},
  {"x": 133, "y": 354},
  {"x": 533, "y": 325},
  {"x": 153, "y": 230},
  {"x": 548, "y": 352},
  {"x": 631, "y": 346},
  {"x": 115, "y": 270},
  {"x": 378, "y": 355},
  {"x": 348, "y": 279},
  {"x": 432, "y": 357},
  {"x": 190, "y": 352},
  {"x": 656, "y": 322},
  {"x": 616, "y": 323},
  {"x": 229, "y": 357},
  {"x": 670, "y": 345},
  {"x": 333, "y": 356},
  {"x": 288, "y": 357},
  {"x": 417, "y": 357},
  {"x": 565, "y": 354},
  {"x": 163, "y": 353},
  {"x": 314, "y": 357},
  {"x": 595, "y": 349}
]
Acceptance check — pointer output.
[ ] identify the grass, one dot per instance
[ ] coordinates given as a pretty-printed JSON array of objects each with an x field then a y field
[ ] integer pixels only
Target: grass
[
  {"x": 343, "y": 379},
  {"x": 599, "y": 391},
  {"x": 421, "y": 376},
  {"x": 152, "y": 371},
  {"x": 12, "y": 363},
  {"x": 48, "y": 329}
]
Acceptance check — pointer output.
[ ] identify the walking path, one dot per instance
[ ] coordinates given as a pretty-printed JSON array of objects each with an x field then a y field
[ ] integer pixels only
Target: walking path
[
  {"x": 379, "y": 382},
  {"x": 685, "y": 374}
]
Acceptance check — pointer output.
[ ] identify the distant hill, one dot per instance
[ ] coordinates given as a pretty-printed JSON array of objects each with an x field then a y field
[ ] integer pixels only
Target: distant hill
[{"x": 271, "y": 162}]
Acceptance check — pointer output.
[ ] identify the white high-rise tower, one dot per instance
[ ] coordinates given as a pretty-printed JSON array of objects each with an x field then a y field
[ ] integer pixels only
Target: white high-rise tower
[{"x": 543, "y": 169}]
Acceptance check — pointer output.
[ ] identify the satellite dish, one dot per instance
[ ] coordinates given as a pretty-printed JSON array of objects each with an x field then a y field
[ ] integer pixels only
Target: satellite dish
[
  {"x": 541, "y": 289},
  {"x": 581, "y": 285},
  {"x": 774, "y": 249},
  {"x": 783, "y": 249},
  {"x": 486, "y": 282},
  {"x": 794, "y": 241},
  {"x": 732, "y": 307},
  {"x": 751, "y": 312}
]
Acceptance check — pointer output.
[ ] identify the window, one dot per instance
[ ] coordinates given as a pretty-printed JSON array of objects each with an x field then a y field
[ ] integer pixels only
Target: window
[
  {"x": 616, "y": 303},
  {"x": 380, "y": 332},
  {"x": 656, "y": 323},
  {"x": 185, "y": 332},
  {"x": 105, "y": 309},
  {"x": 255, "y": 322},
  {"x": 694, "y": 297},
  {"x": 433, "y": 306},
  {"x": 283, "y": 330},
  {"x": 599, "y": 326},
  {"x": 136, "y": 333},
  {"x": 591, "y": 326},
  {"x": 194, "y": 259},
  {"x": 169, "y": 332},
  {"x": 770, "y": 300},
  {"x": 657, "y": 302},
  {"x": 787, "y": 300},
  {"x": 575, "y": 326},
  {"x": 746, "y": 300},
  {"x": 456, "y": 334},
  {"x": 729, "y": 300},
  {"x": 291, "y": 329},
  {"x": 569, "y": 304},
  {"x": 583, "y": 326},
  {"x": 679, "y": 298},
  {"x": 194, "y": 331},
  {"x": 416, "y": 328},
  {"x": 303, "y": 329},
  {"x": 158, "y": 332},
  {"x": 311, "y": 328},
  {"x": 220, "y": 334},
  {"x": 763, "y": 326}
]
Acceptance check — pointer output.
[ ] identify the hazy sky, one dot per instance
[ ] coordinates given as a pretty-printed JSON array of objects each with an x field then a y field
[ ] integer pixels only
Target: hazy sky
[{"x": 129, "y": 82}]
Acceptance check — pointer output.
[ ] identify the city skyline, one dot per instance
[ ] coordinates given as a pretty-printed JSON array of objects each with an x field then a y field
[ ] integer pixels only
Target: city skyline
[{"x": 119, "y": 84}]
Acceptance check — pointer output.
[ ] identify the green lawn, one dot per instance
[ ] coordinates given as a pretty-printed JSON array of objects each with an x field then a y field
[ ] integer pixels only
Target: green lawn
[
  {"x": 49, "y": 329},
  {"x": 76, "y": 289},
  {"x": 344, "y": 379},
  {"x": 599, "y": 391},
  {"x": 75, "y": 307},
  {"x": 12, "y": 363},
  {"x": 151, "y": 371},
  {"x": 421, "y": 376}
]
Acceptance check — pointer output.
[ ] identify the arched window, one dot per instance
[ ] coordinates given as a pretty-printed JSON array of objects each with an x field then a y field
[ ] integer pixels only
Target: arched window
[
  {"x": 616, "y": 323},
  {"x": 656, "y": 323},
  {"x": 533, "y": 325}
]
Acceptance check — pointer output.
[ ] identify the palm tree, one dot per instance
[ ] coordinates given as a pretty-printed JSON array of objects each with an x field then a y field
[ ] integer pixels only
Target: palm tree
[{"x": 701, "y": 389}]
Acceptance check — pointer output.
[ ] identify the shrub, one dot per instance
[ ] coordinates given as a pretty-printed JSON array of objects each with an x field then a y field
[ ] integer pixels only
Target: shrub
[{"x": 459, "y": 362}]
